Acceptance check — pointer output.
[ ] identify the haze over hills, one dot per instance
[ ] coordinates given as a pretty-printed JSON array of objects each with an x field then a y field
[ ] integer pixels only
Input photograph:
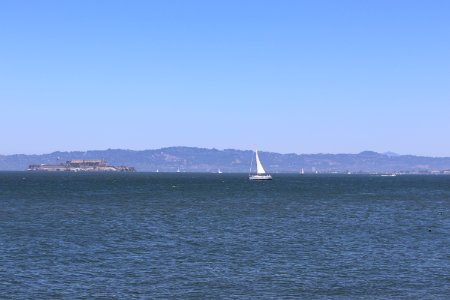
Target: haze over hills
[{"x": 190, "y": 159}]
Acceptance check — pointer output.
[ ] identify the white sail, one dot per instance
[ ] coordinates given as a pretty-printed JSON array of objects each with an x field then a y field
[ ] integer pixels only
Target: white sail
[
  {"x": 259, "y": 166},
  {"x": 260, "y": 172}
]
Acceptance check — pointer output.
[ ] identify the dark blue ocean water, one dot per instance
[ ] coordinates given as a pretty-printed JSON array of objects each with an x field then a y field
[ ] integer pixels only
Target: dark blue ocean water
[{"x": 210, "y": 236}]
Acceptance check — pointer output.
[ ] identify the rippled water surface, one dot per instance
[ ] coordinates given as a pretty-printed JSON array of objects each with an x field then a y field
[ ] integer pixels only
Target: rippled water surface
[{"x": 212, "y": 236}]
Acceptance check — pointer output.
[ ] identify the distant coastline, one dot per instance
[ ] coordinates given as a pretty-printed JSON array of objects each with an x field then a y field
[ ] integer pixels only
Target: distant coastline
[{"x": 191, "y": 159}]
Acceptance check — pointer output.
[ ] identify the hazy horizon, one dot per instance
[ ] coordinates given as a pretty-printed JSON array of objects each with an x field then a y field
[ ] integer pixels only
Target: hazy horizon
[
  {"x": 220, "y": 149},
  {"x": 289, "y": 77}
]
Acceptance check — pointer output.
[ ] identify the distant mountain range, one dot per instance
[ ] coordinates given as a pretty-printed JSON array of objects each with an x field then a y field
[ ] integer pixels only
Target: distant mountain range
[{"x": 189, "y": 159}]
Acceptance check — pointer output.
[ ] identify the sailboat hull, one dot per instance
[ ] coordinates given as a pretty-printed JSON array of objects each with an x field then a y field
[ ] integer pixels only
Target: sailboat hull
[{"x": 260, "y": 177}]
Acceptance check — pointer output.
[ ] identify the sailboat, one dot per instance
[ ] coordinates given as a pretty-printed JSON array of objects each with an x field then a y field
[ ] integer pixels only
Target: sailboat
[
  {"x": 260, "y": 172},
  {"x": 218, "y": 171}
]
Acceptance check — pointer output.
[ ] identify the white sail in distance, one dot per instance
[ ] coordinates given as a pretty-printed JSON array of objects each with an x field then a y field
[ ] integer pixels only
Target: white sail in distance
[
  {"x": 259, "y": 166},
  {"x": 260, "y": 172}
]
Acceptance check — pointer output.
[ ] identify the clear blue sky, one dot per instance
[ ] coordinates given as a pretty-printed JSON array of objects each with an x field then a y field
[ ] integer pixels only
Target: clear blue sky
[{"x": 287, "y": 76}]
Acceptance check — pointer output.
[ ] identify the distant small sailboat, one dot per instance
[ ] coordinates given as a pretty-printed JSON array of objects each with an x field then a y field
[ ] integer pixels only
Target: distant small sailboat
[
  {"x": 260, "y": 172},
  {"x": 218, "y": 171},
  {"x": 178, "y": 170},
  {"x": 302, "y": 171},
  {"x": 157, "y": 170}
]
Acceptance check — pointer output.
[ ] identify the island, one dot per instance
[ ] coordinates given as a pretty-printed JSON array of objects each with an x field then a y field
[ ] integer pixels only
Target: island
[{"x": 81, "y": 165}]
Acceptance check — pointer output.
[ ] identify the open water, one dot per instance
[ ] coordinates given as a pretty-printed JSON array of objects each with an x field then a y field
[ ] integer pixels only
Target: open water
[{"x": 220, "y": 236}]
